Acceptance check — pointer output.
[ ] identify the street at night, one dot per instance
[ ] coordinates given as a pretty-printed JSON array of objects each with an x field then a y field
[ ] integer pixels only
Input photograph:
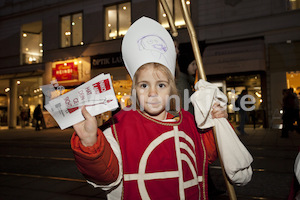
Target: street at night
[
  {"x": 40, "y": 165},
  {"x": 181, "y": 68}
]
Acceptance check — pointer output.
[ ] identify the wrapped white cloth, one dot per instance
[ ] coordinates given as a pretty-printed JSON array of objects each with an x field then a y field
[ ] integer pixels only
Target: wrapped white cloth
[{"x": 236, "y": 158}]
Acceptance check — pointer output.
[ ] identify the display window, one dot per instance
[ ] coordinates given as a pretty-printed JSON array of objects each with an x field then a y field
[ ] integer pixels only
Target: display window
[
  {"x": 255, "y": 102},
  {"x": 29, "y": 95},
  {"x": 3, "y": 109},
  {"x": 293, "y": 81},
  {"x": 293, "y": 4},
  {"x": 122, "y": 87}
]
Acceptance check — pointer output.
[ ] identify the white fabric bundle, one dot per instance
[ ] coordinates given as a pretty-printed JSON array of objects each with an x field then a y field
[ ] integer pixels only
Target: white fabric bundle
[{"x": 236, "y": 158}]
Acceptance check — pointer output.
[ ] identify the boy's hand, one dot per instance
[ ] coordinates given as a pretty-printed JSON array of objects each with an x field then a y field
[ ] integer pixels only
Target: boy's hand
[
  {"x": 87, "y": 129},
  {"x": 218, "y": 111}
]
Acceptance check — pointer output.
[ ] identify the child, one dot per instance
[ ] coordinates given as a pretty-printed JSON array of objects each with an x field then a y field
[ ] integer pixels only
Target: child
[{"x": 146, "y": 153}]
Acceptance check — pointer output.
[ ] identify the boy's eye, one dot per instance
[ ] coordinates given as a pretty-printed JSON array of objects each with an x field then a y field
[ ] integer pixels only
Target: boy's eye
[
  {"x": 161, "y": 85},
  {"x": 143, "y": 85}
]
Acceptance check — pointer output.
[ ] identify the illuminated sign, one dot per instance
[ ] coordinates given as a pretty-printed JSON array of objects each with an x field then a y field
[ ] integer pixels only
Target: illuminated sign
[
  {"x": 107, "y": 60},
  {"x": 65, "y": 71}
]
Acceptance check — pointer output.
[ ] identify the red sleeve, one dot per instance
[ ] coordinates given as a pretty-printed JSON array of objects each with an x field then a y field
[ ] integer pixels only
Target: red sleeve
[
  {"x": 97, "y": 163},
  {"x": 210, "y": 145}
]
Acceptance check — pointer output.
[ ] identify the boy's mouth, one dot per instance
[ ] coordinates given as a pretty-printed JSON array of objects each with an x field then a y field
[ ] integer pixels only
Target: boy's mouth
[{"x": 153, "y": 103}]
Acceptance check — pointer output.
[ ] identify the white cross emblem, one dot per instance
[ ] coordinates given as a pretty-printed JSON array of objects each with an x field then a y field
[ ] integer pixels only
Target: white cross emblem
[{"x": 141, "y": 176}]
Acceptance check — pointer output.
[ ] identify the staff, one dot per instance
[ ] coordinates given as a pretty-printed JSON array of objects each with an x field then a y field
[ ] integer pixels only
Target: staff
[{"x": 196, "y": 50}]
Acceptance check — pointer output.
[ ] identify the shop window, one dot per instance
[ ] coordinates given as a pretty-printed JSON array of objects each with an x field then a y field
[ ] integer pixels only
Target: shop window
[
  {"x": 29, "y": 96},
  {"x": 71, "y": 30},
  {"x": 117, "y": 20},
  {"x": 251, "y": 83},
  {"x": 175, "y": 11},
  {"x": 31, "y": 43},
  {"x": 3, "y": 108},
  {"x": 293, "y": 4},
  {"x": 293, "y": 81}
]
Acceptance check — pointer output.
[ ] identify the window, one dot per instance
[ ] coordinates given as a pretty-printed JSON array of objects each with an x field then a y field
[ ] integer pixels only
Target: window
[
  {"x": 31, "y": 43},
  {"x": 293, "y": 4},
  {"x": 176, "y": 12},
  {"x": 293, "y": 81},
  {"x": 71, "y": 30},
  {"x": 117, "y": 20}
]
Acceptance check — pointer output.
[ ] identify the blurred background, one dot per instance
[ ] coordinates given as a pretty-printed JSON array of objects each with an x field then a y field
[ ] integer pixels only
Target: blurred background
[{"x": 251, "y": 45}]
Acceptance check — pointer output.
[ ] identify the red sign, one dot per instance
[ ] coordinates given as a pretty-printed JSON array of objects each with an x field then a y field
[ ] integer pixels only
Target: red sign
[{"x": 65, "y": 71}]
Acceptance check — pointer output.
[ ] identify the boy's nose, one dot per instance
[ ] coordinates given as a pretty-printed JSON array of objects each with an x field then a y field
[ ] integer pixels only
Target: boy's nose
[{"x": 152, "y": 92}]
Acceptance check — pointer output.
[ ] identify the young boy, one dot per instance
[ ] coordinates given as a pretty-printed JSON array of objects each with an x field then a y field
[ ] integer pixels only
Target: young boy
[{"x": 144, "y": 152}]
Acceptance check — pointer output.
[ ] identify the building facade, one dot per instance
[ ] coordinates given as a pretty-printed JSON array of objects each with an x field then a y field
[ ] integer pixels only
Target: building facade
[{"x": 253, "y": 45}]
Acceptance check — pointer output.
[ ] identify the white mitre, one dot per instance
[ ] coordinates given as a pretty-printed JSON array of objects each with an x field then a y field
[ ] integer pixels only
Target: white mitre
[{"x": 147, "y": 41}]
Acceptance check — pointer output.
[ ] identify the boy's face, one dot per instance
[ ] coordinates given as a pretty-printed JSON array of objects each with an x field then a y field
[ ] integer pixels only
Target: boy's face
[{"x": 153, "y": 90}]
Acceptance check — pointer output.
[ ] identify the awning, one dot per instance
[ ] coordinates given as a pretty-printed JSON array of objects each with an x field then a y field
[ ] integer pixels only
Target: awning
[{"x": 22, "y": 71}]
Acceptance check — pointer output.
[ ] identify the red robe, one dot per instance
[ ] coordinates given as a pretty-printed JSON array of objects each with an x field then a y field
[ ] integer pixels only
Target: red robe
[{"x": 161, "y": 160}]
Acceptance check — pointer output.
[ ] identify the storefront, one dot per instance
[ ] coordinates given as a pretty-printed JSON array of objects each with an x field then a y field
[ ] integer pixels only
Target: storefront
[
  {"x": 252, "y": 82},
  {"x": 25, "y": 93},
  {"x": 238, "y": 66},
  {"x": 3, "y": 109},
  {"x": 284, "y": 74},
  {"x": 61, "y": 77},
  {"x": 293, "y": 81},
  {"x": 113, "y": 64}
]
